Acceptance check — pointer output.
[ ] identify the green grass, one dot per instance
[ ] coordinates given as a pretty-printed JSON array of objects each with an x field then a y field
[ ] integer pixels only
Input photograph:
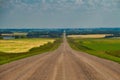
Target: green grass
[
  {"x": 8, "y": 57},
  {"x": 101, "y": 44},
  {"x": 104, "y": 48}
]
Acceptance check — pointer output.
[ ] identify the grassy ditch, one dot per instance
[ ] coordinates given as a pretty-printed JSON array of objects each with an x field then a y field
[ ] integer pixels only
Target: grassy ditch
[
  {"x": 103, "y": 48},
  {"x": 50, "y": 46}
]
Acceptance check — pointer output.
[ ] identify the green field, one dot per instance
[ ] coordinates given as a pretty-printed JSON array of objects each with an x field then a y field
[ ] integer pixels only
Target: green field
[
  {"x": 22, "y": 45},
  {"x": 104, "y": 48},
  {"x": 50, "y": 46}
]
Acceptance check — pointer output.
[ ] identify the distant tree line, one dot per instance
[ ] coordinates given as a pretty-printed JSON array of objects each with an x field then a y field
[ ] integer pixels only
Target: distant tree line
[{"x": 54, "y": 33}]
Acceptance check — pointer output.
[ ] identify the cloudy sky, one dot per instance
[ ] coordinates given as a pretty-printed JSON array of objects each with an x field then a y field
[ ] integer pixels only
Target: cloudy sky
[{"x": 59, "y": 13}]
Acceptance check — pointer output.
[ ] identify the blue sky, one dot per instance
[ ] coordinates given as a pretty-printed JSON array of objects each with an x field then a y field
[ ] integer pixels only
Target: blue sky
[{"x": 59, "y": 13}]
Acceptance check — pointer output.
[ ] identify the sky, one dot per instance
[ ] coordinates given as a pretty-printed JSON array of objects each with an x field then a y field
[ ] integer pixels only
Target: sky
[{"x": 59, "y": 13}]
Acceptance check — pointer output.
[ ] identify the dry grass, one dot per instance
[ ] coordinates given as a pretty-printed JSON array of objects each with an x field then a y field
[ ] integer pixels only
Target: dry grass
[
  {"x": 21, "y": 45},
  {"x": 90, "y": 36}
]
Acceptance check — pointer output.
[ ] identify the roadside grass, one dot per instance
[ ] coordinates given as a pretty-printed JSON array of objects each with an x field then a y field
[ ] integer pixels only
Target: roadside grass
[
  {"x": 50, "y": 46},
  {"x": 104, "y": 48},
  {"x": 22, "y": 45}
]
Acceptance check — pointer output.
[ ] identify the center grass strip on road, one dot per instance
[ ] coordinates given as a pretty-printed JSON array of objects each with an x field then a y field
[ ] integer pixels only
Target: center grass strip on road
[
  {"x": 8, "y": 57},
  {"x": 77, "y": 44}
]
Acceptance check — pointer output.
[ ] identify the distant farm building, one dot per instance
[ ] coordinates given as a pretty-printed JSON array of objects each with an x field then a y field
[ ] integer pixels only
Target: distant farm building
[
  {"x": 7, "y": 36},
  {"x": 14, "y": 35}
]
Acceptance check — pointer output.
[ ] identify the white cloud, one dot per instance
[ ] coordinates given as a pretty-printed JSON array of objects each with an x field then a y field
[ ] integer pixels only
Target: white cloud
[
  {"x": 63, "y": 4},
  {"x": 79, "y": 2}
]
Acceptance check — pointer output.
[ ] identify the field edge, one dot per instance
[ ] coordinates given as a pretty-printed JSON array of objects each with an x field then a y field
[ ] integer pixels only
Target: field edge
[
  {"x": 81, "y": 48},
  {"x": 8, "y": 57}
]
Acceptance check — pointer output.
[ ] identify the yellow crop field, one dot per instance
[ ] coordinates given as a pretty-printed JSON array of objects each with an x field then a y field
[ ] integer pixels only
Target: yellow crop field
[
  {"x": 90, "y": 36},
  {"x": 21, "y": 45}
]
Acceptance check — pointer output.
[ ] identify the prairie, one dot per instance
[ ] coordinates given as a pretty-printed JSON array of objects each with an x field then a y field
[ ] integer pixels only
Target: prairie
[
  {"x": 48, "y": 46},
  {"x": 90, "y": 36},
  {"x": 22, "y": 45},
  {"x": 104, "y": 48}
]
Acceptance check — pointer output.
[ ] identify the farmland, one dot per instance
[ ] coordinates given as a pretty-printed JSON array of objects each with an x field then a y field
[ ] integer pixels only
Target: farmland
[
  {"x": 49, "y": 46},
  {"x": 62, "y": 64},
  {"x": 22, "y": 45},
  {"x": 104, "y": 47},
  {"x": 90, "y": 36}
]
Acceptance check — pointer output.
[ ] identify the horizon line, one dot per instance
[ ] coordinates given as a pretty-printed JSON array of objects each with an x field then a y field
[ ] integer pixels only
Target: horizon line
[{"x": 63, "y": 28}]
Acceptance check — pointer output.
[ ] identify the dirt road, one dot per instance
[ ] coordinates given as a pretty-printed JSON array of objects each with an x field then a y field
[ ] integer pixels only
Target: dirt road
[{"x": 62, "y": 64}]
